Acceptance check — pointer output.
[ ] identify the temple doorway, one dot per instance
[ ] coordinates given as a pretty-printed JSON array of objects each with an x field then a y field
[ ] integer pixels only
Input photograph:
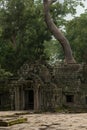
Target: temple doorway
[{"x": 29, "y": 99}]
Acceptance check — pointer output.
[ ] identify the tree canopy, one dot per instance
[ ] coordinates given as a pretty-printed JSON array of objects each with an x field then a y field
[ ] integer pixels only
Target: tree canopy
[
  {"x": 76, "y": 31},
  {"x": 23, "y": 30},
  {"x": 22, "y": 33}
]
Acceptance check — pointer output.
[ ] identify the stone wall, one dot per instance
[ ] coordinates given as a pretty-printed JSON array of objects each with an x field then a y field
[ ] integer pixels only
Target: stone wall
[
  {"x": 59, "y": 86},
  {"x": 73, "y": 80},
  {"x": 68, "y": 87}
]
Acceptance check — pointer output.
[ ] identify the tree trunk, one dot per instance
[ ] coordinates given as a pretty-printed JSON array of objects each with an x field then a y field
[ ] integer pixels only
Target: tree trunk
[
  {"x": 57, "y": 33},
  {"x": 13, "y": 40}
]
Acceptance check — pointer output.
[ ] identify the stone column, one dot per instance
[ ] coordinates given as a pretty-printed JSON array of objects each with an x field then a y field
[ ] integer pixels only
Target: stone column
[
  {"x": 36, "y": 103},
  {"x": 23, "y": 96},
  {"x": 12, "y": 100},
  {"x": 17, "y": 99}
]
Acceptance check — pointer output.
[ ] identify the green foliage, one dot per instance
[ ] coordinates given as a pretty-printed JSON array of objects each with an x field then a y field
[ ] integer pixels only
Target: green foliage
[
  {"x": 4, "y": 74},
  {"x": 76, "y": 31},
  {"x": 23, "y": 30},
  {"x": 52, "y": 50},
  {"x": 22, "y": 33}
]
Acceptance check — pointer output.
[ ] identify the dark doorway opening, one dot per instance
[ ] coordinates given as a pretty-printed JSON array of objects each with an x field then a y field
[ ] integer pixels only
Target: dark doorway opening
[
  {"x": 86, "y": 99},
  {"x": 69, "y": 98},
  {"x": 29, "y": 99},
  {"x": 0, "y": 99}
]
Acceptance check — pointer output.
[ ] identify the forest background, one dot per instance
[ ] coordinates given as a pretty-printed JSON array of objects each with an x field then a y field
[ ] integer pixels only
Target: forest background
[{"x": 24, "y": 35}]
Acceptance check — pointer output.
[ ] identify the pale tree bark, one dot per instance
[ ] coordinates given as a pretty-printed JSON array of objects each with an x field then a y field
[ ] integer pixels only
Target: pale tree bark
[
  {"x": 57, "y": 33},
  {"x": 13, "y": 40}
]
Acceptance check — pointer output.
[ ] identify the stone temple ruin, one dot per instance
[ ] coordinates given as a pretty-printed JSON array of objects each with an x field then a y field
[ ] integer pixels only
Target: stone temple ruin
[{"x": 41, "y": 87}]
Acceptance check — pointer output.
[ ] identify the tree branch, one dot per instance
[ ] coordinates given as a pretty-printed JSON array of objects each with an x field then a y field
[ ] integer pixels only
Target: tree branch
[
  {"x": 57, "y": 33},
  {"x": 51, "y": 1}
]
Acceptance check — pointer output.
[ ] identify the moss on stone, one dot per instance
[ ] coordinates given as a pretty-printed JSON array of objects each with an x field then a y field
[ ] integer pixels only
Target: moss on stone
[{"x": 12, "y": 121}]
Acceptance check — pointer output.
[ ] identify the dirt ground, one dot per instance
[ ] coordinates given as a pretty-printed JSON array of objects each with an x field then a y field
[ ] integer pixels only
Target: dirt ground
[{"x": 50, "y": 121}]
